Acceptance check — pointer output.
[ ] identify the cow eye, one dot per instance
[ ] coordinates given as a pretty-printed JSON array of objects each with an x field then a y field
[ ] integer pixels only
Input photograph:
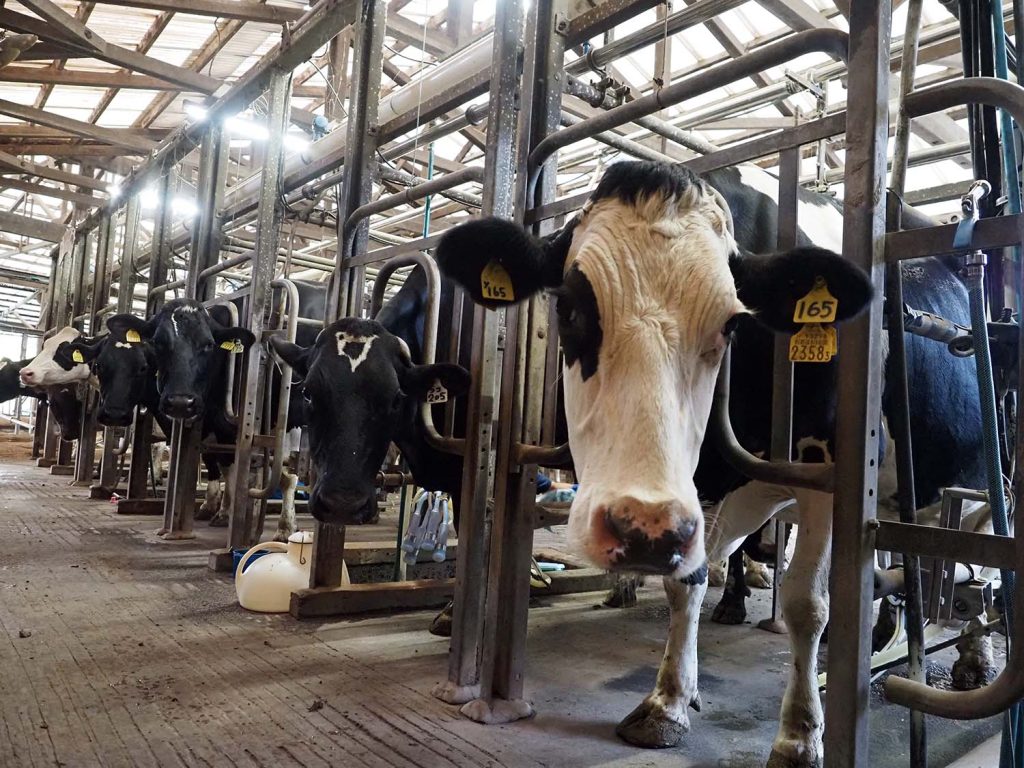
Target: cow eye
[{"x": 730, "y": 326}]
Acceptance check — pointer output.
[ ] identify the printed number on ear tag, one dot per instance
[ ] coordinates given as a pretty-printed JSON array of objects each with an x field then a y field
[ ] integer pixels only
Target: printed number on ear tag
[
  {"x": 437, "y": 394},
  {"x": 495, "y": 284},
  {"x": 76, "y": 355},
  {"x": 232, "y": 346},
  {"x": 818, "y": 306},
  {"x": 132, "y": 336},
  {"x": 813, "y": 344}
]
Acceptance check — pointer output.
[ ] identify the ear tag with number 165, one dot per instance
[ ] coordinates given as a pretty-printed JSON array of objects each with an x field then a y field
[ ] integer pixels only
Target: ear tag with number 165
[
  {"x": 818, "y": 306},
  {"x": 495, "y": 284}
]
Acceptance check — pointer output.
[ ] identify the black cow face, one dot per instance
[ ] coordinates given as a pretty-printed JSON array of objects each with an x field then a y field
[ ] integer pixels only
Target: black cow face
[
  {"x": 190, "y": 349},
  {"x": 649, "y": 284},
  {"x": 124, "y": 364},
  {"x": 361, "y": 392},
  {"x": 10, "y": 383},
  {"x": 66, "y": 409}
]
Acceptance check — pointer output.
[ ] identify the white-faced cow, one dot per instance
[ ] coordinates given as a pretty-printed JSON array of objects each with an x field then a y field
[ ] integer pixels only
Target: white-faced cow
[
  {"x": 58, "y": 385},
  {"x": 653, "y": 281}
]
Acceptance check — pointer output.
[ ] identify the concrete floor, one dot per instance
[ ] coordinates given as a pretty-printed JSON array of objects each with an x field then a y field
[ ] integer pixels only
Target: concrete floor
[{"x": 120, "y": 649}]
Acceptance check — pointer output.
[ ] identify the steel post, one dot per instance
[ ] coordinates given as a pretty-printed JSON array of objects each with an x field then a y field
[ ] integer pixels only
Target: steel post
[
  {"x": 268, "y": 234},
  {"x": 109, "y": 462},
  {"x": 85, "y": 455},
  {"x": 345, "y": 290},
  {"x": 859, "y": 394}
]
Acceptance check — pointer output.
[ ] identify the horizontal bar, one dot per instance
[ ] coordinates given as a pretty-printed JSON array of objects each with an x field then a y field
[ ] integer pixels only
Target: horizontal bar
[
  {"x": 962, "y": 546},
  {"x": 383, "y": 254},
  {"x": 994, "y": 232}
]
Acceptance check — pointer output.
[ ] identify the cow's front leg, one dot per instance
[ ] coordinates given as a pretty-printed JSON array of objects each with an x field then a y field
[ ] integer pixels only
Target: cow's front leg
[
  {"x": 286, "y": 525},
  {"x": 805, "y": 602},
  {"x": 223, "y": 515},
  {"x": 661, "y": 719}
]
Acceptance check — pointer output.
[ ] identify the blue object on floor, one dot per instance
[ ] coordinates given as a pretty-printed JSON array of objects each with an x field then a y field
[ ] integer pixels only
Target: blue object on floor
[{"x": 237, "y": 554}]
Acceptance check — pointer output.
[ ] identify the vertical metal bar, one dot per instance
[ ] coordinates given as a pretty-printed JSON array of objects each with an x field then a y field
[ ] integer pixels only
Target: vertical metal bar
[
  {"x": 109, "y": 462},
  {"x": 782, "y": 380},
  {"x": 859, "y": 394},
  {"x": 356, "y": 190},
  {"x": 465, "y": 668},
  {"x": 268, "y": 235},
  {"x": 204, "y": 249}
]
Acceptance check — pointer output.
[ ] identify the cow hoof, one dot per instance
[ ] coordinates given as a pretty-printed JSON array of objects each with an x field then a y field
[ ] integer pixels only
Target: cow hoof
[
  {"x": 220, "y": 520},
  {"x": 758, "y": 576},
  {"x": 442, "y": 623},
  {"x": 651, "y": 726},
  {"x": 778, "y": 759},
  {"x": 204, "y": 513},
  {"x": 716, "y": 574},
  {"x": 282, "y": 535},
  {"x": 728, "y": 612},
  {"x": 623, "y": 594},
  {"x": 969, "y": 674}
]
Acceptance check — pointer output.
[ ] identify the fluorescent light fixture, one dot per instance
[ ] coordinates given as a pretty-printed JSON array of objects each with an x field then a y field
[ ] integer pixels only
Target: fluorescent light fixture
[
  {"x": 195, "y": 111},
  {"x": 246, "y": 129},
  {"x": 184, "y": 207}
]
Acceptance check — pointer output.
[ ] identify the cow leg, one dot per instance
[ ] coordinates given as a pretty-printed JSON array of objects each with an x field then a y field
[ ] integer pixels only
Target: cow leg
[
  {"x": 805, "y": 603},
  {"x": 661, "y": 719},
  {"x": 223, "y": 515},
  {"x": 213, "y": 489},
  {"x": 732, "y": 608},
  {"x": 974, "y": 668},
  {"x": 286, "y": 525},
  {"x": 623, "y": 592}
]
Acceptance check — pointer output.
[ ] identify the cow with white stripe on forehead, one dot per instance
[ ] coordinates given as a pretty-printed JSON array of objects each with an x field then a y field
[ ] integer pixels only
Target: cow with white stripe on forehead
[{"x": 651, "y": 288}]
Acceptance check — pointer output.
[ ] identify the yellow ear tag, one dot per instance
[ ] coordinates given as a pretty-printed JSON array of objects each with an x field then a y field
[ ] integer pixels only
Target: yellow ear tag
[
  {"x": 76, "y": 355},
  {"x": 495, "y": 284},
  {"x": 234, "y": 346},
  {"x": 818, "y": 306},
  {"x": 132, "y": 336},
  {"x": 437, "y": 393},
  {"x": 813, "y": 344}
]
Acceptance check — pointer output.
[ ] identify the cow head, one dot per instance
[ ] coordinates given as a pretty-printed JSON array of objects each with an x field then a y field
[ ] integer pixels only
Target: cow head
[
  {"x": 361, "y": 391},
  {"x": 189, "y": 346},
  {"x": 44, "y": 371},
  {"x": 649, "y": 285},
  {"x": 124, "y": 364}
]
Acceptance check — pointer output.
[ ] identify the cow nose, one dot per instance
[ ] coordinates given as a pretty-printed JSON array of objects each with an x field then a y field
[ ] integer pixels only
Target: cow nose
[
  {"x": 27, "y": 375},
  {"x": 653, "y": 537},
  {"x": 340, "y": 506},
  {"x": 111, "y": 417},
  {"x": 180, "y": 406}
]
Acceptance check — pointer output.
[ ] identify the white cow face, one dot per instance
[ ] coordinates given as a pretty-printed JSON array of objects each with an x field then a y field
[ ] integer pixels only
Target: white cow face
[
  {"x": 648, "y": 287},
  {"x": 44, "y": 371}
]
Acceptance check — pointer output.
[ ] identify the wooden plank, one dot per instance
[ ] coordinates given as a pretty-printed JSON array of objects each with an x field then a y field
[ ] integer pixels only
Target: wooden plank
[
  {"x": 363, "y": 598},
  {"x": 574, "y": 580},
  {"x": 223, "y": 9},
  {"x": 153, "y": 507},
  {"x": 64, "y": 21},
  {"x": 69, "y": 150},
  {"x": 62, "y": 469},
  {"x": 84, "y": 78},
  {"x": 45, "y": 172},
  {"x": 52, "y": 192},
  {"x": 36, "y": 228},
  {"x": 77, "y": 127}
]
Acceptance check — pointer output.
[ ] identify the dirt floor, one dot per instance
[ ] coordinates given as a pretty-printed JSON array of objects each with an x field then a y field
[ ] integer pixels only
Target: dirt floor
[{"x": 120, "y": 649}]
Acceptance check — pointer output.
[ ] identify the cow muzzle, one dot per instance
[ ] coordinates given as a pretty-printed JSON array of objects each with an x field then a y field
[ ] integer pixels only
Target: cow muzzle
[
  {"x": 27, "y": 376},
  {"x": 664, "y": 537},
  {"x": 341, "y": 506},
  {"x": 114, "y": 417},
  {"x": 184, "y": 407}
]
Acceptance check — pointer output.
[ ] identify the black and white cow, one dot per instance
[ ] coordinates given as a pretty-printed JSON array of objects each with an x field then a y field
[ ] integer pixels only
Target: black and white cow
[
  {"x": 659, "y": 273},
  {"x": 10, "y": 380},
  {"x": 362, "y": 389},
  {"x": 58, "y": 385}
]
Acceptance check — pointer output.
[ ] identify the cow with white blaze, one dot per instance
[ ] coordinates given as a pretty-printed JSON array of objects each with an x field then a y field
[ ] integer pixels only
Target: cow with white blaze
[
  {"x": 58, "y": 384},
  {"x": 651, "y": 288}
]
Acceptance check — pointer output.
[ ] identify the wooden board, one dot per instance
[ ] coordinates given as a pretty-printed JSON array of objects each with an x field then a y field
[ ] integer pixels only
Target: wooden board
[
  {"x": 364, "y": 598},
  {"x": 140, "y": 507},
  {"x": 62, "y": 469}
]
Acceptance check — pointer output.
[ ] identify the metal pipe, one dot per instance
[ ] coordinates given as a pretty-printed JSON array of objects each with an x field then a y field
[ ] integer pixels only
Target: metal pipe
[
  {"x": 818, "y": 477},
  {"x": 380, "y": 285},
  {"x": 830, "y": 41}
]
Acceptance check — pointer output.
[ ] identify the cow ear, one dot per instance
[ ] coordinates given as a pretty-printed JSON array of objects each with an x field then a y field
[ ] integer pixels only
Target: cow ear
[
  {"x": 498, "y": 262},
  {"x": 121, "y": 325},
  {"x": 233, "y": 336},
  {"x": 71, "y": 353},
  {"x": 440, "y": 380},
  {"x": 771, "y": 286},
  {"x": 294, "y": 355}
]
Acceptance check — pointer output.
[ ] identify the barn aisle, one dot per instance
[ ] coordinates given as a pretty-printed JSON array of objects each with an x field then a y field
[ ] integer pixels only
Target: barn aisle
[{"x": 120, "y": 649}]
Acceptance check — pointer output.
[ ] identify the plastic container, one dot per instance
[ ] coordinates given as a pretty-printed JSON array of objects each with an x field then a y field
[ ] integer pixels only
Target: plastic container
[{"x": 266, "y": 584}]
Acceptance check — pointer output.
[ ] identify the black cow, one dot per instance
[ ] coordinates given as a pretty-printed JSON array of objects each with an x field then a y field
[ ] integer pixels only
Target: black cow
[
  {"x": 653, "y": 280},
  {"x": 10, "y": 381},
  {"x": 362, "y": 391}
]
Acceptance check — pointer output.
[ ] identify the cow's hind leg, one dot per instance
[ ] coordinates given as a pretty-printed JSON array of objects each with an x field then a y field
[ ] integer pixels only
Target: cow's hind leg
[
  {"x": 623, "y": 592},
  {"x": 211, "y": 503},
  {"x": 805, "y": 603},
  {"x": 223, "y": 515},
  {"x": 661, "y": 719},
  {"x": 975, "y": 666},
  {"x": 732, "y": 608}
]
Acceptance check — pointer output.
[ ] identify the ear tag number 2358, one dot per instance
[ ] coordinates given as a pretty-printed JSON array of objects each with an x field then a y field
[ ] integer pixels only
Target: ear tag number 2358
[
  {"x": 815, "y": 342},
  {"x": 495, "y": 284}
]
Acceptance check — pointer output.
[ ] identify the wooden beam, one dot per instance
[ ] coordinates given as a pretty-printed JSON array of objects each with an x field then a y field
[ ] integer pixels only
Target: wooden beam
[
  {"x": 77, "y": 127},
  {"x": 57, "y": 194},
  {"x": 412, "y": 34},
  {"x": 50, "y": 51},
  {"x": 64, "y": 21},
  {"x": 224, "y": 9},
  {"x": 35, "y": 228},
  {"x": 26, "y": 131},
  {"x": 796, "y": 14},
  {"x": 17, "y": 165},
  {"x": 68, "y": 150},
  {"x": 113, "y": 54},
  {"x": 84, "y": 78}
]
